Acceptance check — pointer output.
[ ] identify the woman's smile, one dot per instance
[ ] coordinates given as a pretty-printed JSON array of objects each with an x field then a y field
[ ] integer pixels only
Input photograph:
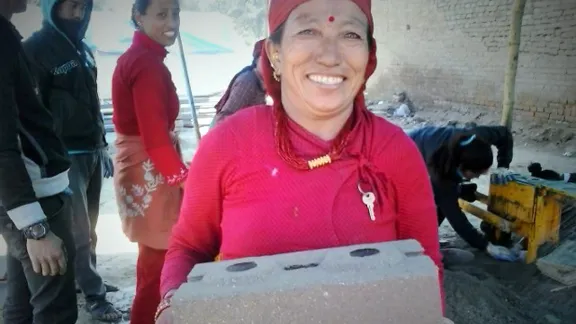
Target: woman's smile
[{"x": 326, "y": 81}]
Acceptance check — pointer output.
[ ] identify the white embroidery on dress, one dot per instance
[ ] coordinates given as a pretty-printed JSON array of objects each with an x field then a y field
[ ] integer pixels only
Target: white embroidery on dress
[
  {"x": 133, "y": 202},
  {"x": 177, "y": 178}
]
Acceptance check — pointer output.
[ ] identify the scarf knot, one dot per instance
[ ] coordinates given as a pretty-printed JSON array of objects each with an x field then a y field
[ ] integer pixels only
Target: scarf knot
[{"x": 372, "y": 179}]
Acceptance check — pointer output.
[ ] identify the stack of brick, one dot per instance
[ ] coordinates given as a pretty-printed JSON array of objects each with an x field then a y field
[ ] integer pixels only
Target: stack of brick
[{"x": 385, "y": 283}]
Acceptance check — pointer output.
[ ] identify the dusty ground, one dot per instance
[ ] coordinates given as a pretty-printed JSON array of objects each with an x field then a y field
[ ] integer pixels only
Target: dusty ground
[
  {"x": 487, "y": 291},
  {"x": 482, "y": 292}
]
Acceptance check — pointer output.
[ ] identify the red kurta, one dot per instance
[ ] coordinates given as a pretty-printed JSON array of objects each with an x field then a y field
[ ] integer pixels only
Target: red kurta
[
  {"x": 146, "y": 104},
  {"x": 245, "y": 201}
]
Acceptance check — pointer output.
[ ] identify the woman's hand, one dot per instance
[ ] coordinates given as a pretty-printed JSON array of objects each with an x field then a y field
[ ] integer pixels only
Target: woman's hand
[
  {"x": 165, "y": 317},
  {"x": 164, "y": 312}
]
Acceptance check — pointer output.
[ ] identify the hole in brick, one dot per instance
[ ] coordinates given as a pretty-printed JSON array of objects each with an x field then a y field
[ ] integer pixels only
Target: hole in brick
[
  {"x": 195, "y": 278},
  {"x": 300, "y": 266},
  {"x": 360, "y": 253},
  {"x": 243, "y": 266}
]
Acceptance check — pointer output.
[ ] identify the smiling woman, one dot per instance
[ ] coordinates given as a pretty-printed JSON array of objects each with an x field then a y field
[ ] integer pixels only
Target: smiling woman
[
  {"x": 149, "y": 170},
  {"x": 158, "y": 19},
  {"x": 321, "y": 64},
  {"x": 318, "y": 170}
]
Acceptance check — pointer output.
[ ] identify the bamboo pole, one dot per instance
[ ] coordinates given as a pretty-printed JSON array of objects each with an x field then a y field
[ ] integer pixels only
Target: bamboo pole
[
  {"x": 189, "y": 88},
  {"x": 512, "y": 68}
]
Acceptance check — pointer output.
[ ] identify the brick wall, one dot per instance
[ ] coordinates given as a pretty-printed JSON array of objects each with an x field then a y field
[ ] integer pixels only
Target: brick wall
[{"x": 454, "y": 53}]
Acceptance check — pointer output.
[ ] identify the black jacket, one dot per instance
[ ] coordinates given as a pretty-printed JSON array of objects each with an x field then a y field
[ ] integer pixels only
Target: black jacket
[
  {"x": 33, "y": 160},
  {"x": 67, "y": 78},
  {"x": 446, "y": 193}
]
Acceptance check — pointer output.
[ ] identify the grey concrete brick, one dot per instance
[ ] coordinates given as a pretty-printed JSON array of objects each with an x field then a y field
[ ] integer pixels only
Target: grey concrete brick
[{"x": 386, "y": 283}]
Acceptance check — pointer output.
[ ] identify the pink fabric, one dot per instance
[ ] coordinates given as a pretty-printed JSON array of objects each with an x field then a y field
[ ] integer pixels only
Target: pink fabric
[
  {"x": 242, "y": 200},
  {"x": 147, "y": 205}
]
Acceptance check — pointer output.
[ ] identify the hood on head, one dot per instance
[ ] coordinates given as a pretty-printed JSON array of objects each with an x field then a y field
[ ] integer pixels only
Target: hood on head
[{"x": 48, "y": 6}]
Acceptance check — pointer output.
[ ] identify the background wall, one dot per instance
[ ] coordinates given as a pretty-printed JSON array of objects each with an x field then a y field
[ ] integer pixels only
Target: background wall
[{"x": 454, "y": 53}]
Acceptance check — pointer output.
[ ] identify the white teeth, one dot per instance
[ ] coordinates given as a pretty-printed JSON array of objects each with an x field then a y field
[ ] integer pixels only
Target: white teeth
[
  {"x": 323, "y": 79},
  {"x": 169, "y": 34}
]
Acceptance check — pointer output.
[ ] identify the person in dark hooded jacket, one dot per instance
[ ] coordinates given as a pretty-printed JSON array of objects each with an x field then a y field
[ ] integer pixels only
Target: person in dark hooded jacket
[
  {"x": 455, "y": 156},
  {"x": 66, "y": 72}
]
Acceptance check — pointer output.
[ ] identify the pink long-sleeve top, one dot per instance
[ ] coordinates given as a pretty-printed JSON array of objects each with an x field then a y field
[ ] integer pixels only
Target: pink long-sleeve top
[{"x": 242, "y": 200}]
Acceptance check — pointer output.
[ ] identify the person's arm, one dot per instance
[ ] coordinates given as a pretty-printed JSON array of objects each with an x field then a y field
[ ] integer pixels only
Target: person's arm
[
  {"x": 196, "y": 236},
  {"x": 501, "y": 137},
  {"x": 103, "y": 130},
  {"x": 16, "y": 192},
  {"x": 150, "y": 94},
  {"x": 446, "y": 196},
  {"x": 241, "y": 96},
  {"x": 415, "y": 201}
]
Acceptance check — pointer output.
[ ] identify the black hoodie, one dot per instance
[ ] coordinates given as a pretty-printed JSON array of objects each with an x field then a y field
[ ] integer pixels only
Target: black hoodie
[{"x": 66, "y": 72}]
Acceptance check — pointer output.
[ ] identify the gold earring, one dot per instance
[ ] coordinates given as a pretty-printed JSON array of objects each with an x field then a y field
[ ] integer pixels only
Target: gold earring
[{"x": 275, "y": 74}]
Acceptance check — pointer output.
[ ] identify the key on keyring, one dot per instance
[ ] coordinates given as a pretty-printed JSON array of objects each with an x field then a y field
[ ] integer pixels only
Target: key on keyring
[{"x": 368, "y": 199}]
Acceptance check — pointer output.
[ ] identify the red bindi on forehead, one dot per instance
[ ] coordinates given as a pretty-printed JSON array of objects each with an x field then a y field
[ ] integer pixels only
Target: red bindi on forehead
[{"x": 331, "y": 19}]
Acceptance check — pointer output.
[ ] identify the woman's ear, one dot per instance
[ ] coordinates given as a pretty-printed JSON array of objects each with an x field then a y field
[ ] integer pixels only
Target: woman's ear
[
  {"x": 273, "y": 53},
  {"x": 137, "y": 17}
]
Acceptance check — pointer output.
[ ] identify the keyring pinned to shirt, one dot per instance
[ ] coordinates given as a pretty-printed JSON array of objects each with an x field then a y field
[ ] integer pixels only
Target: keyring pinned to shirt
[{"x": 368, "y": 198}]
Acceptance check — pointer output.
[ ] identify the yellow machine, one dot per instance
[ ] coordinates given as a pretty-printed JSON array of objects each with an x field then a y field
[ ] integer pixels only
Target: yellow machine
[{"x": 529, "y": 207}]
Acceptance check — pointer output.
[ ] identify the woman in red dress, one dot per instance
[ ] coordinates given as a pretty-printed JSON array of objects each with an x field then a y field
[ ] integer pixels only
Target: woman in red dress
[
  {"x": 149, "y": 168},
  {"x": 318, "y": 170}
]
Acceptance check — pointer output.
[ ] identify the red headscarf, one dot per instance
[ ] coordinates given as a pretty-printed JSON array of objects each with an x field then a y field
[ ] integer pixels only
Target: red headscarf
[
  {"x": 356, "y": 136},
  {"x": 255, "y": 54}
]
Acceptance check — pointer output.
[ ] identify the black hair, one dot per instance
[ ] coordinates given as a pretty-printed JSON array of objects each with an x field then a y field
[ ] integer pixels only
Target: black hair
[
  {"x": 534, "y": 168},
  {"x": 139, "y": 6},
  {"x": 465, "y": 151},
  {"x": 276, "y": 36}
]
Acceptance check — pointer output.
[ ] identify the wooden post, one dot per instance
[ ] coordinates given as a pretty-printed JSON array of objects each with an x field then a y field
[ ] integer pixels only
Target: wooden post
[{"x": 513, "y": 51}]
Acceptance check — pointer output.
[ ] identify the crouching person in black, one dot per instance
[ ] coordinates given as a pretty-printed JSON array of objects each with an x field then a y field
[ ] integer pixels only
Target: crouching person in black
[
  {"x": 454, "y": 157},
  {"x": 35, "y": 212}
]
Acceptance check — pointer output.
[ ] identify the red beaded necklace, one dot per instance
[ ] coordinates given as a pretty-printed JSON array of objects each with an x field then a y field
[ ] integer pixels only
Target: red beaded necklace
[{"x": 286, "y": 151}]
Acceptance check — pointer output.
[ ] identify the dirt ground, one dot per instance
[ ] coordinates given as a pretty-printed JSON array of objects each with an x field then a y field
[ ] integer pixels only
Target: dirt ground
[
  {"x": 488, "y": 291},
  {"x": 484, "y": 291}
]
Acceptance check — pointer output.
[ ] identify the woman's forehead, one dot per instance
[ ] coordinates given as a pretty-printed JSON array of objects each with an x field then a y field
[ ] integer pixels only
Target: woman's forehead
[{"x": 342, "y": 11}]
